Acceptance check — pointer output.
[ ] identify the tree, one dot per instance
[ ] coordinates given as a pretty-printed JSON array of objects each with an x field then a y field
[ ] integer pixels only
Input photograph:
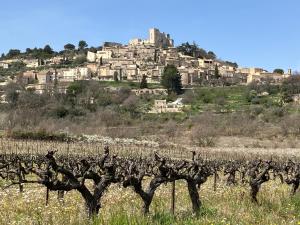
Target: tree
[
  {"x": 13, "y": 52},
  {"x": 289, "y": 88},
  {"x": 279, "y": 71},
  {"x": 82, "y": 45},
  {"x": 233, "y": 64},
  {"x": 28, "y": 51},
  {"x": 12, "y": 92},
  {"x": 48, "y": 49},
  {"x": 144, "y": 83},
  {"x": 80, "y": 60},
  {"x": 18, "y": 65},
  {"x": 194, "y": 51},
  {"x": 188, "y": 49},
  {"x": 116, "y": 76},
  {"x": 211, "y": 55},
  {"x": 217, "y": 74},
  {"x": 171, "y": 79},
  {"x": 69, "y": 47}
]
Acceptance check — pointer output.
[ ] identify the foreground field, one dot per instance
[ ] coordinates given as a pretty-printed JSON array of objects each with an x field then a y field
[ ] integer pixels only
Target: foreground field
[
  {"x": 226, "y": 205},
  {"x": 221, "y": 204}
]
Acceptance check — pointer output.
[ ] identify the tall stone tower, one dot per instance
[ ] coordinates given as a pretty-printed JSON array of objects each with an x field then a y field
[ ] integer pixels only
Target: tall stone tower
[
  {"x": 159, "y": 39},
  {"x": 153, "y": 32}
]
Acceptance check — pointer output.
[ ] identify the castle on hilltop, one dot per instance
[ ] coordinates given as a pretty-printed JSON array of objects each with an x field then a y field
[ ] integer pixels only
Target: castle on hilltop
[
  {"x": 156, "y": 39},
  {"x": 140, "y": 58}
]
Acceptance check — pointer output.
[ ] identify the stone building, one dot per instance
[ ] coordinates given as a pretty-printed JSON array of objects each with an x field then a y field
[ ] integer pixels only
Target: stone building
[
  {"x": 99, "y": 56},
  {"x": 45, "y": 76},
  {"x": 32, "y": 63},
  {"x": 156, "y": 38},
  {"x": 4, "y": 65},
  {"x": 260, "y": 75},
  {"x": 79, "y": 73},
  {"x": 162, "y": 106},
  {"x": 29, "y": 77},
  {"x": 147, "y": 91}
]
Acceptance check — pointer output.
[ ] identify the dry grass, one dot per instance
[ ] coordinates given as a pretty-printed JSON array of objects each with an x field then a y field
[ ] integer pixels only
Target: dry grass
[{"x": 228, "y": 205}]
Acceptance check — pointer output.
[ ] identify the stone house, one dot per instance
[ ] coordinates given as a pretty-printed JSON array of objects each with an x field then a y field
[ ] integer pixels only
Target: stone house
[
  {"x": 93, "y": 67},
  {"x": 147, "y": 91},
  {"x": 161, "y": 106},
  {"x": 32, "y": 63},
  {"x": 4, "y": 65},
  {"x": 45, "y": 76},
  {"x": 29, "y": 77},
  {"x": 206, "y": 63},
  {"x": 56, "y": 60},
  {"x": 79, "y": 73},
  {"x": 99, "y": 56},
  {"x": 131, "y": 72},
  {"x": 109, "y": 72},
  {"x": 188, "y": 75}
]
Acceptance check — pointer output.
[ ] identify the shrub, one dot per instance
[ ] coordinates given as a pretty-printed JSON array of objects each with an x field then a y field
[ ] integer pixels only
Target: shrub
[
  {"x": 250, "y": 95},
  {"x": 290, "y": 125},
  {"x": 60, "y": 112},
  {"x": 278, "y": 111},
  {"x": 38, "y": 135},
  {"x": 203, "y": 136},
  {"x": 220, "y": 100},
  {"x": 256, "y": 101},
  {"x": 256, "y": 110},
  {"x": 207, "y": 98},
  {"x": 189, "y": 97}
]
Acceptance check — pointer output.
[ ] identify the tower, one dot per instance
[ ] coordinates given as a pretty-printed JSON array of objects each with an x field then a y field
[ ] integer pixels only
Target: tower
[{"x": 153, "y": 36}]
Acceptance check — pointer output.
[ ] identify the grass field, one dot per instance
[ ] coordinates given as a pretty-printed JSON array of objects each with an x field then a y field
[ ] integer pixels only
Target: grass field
[
  {"x": 226, "y": 205},
  {"x": 227, "y": 99}
]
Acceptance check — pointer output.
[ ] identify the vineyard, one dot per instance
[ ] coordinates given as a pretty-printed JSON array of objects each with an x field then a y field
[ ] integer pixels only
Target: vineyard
[{"x": 91, "y": 170}]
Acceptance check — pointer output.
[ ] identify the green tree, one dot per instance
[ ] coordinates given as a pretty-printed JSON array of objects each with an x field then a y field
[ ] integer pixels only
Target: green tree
[
  {"x": 28, "y": 51},
  {"x": 233, "y": 64},
  {"x": 279, "y": 71},
  {"x": 80, "y": 60},
  {"x": 144, "y": 83},
  {"x": 188, "y": 49},
  {"x": 69, "y": 47},
  {"x": 195, "y": 51},
  {"x": 171, "y": 79},
  {"x": 82, "y": 45},
  {"x": 12, "y": 92},
  {"x": 18, "y": 65},
  {"x": 48, "y": 49},
  {"x": 116, "y": 75},
  {"x": 289, "y": 88},
  {"x": 211, "y": 55},
  {"x": 13, "y": 53},
  {"x": 217, "y": 73}
]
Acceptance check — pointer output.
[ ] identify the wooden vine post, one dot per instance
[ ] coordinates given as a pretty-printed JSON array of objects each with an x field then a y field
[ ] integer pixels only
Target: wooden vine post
[
  {"x": 47, "y": 196},
  {"x": 173, "y": 198}
]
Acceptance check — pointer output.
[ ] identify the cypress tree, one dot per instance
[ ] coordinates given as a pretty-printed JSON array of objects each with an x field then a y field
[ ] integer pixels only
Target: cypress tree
[
  {"x": 171, "y": 79},
  {"x": 144, "y": 83}
]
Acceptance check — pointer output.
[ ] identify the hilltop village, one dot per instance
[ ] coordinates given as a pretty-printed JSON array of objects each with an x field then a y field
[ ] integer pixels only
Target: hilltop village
[{"x": 139, "y": 58}]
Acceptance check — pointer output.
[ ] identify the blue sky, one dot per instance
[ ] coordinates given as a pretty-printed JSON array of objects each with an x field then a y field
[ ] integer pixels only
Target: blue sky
[{"x": 260, "y": 33}]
